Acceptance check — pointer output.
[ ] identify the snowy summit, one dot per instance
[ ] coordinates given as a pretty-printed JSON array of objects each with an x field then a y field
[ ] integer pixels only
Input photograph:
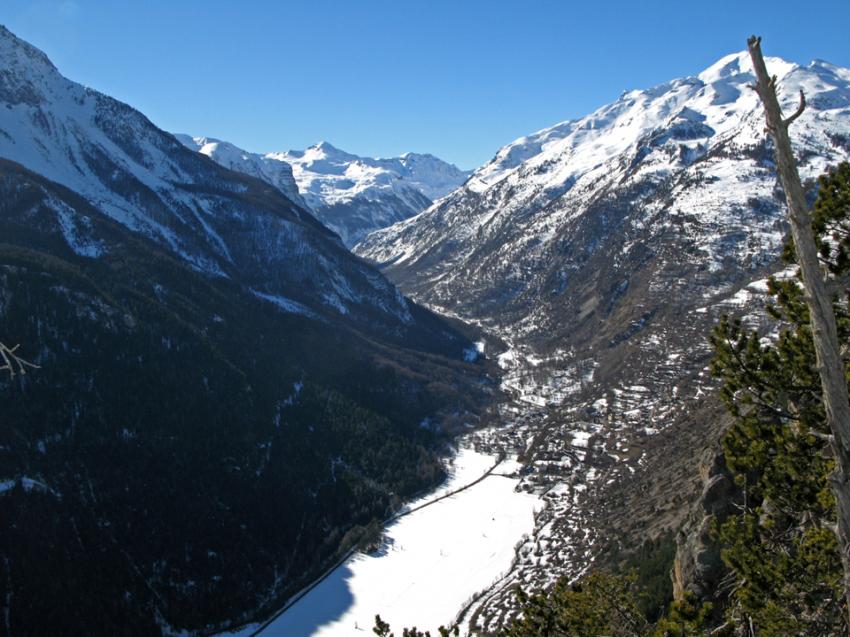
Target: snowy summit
[{"x": 351, "y": 195}]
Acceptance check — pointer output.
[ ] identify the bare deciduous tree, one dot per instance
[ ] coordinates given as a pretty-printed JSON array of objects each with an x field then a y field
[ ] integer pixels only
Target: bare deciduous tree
[
  {"x": 12, "y": 362},
  {"x": 824, "y": 333}
]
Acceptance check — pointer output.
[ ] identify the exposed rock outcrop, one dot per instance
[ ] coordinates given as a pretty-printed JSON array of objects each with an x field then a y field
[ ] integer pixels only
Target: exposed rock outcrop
[{"x": 698, "y": 567}]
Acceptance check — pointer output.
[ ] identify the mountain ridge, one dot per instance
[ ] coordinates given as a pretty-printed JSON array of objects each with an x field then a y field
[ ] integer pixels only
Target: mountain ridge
[
  {"x": 645, "y": 136},
  {"x": 222, "y": 222},
  {"x": 596, "y": 256},
  {"x": 350, "y": 194},
  {"x": 226, "y": 397}
]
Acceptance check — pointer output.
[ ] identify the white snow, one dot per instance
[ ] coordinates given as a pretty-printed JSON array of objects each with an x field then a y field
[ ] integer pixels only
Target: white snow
[
  {"x": 649, "y": 134},
  {"x": 434, "y": 561},
  {"x": 581, "y": 438},
  {"x": 350, "y": 194},
  {"x": 285, "y": 304},
  {"x": 328, "y": 175},
  {"x": 472, "y": 354},
  {"x": 270, "y": 169},
  {"x": 74, "y": 228}
]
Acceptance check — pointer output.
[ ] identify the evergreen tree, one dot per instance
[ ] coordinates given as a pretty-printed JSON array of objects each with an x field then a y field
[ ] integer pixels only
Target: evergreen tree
[
  {"x": 782, "y": 547},
  {"x": 601, "y": 604},
  {"x": 687, "y": 618},
  {"x": 382, "y": 629}
]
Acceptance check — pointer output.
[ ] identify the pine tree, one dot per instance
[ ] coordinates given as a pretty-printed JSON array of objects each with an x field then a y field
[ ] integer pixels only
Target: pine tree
[
  {"x": 783, "y": 548},
  {"x": 600, "y": 604},
  {"x": 830, "y": 364},
  {"x": 383, "y": 629}
]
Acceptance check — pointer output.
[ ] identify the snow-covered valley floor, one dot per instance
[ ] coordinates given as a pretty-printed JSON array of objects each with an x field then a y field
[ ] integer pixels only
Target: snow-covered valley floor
[{"x": 434, "y": 560}]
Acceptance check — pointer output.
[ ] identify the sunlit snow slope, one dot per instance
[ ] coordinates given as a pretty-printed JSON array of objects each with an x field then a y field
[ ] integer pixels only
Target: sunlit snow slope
[
  {"x": 431, "y": 564},
  {"x": 351, "y": 195},
  {"x": 685, "y": 163}
]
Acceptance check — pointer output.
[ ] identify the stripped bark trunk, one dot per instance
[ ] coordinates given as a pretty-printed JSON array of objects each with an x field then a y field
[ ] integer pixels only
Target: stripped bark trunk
[{"x": 824, "y": 333}]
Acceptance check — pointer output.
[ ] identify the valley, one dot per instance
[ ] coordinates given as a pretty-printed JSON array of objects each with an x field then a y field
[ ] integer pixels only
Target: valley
[
  {"x": 446, "y": 551},
  {"x": 249, "y": 361},
  {"x": 596, "y": 256}
]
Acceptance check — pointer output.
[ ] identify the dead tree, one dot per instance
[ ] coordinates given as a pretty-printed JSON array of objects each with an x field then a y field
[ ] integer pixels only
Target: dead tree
[
  {"x": 824, "y": 333},
  {"x": 12, "y": 362}
]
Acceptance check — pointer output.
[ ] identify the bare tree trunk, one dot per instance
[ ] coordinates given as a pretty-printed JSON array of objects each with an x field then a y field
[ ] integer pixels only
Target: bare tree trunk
[{"x": 824, "y": 333}]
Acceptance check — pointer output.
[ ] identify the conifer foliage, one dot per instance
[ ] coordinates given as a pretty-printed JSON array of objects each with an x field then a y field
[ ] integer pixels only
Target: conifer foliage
[
  {"x": 601, "y": 604},
  {"x": 782, "y": 546}
]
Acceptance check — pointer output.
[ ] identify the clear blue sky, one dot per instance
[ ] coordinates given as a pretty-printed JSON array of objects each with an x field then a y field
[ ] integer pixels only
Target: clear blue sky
[{"x": 457, "y": 78}]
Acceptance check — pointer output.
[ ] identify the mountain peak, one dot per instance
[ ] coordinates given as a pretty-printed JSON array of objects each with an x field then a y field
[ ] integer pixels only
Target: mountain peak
[
  {"x": 421, "y": 157},
  {"x": 740, "y": 63},
  {"x": 16, "y": 51},
  {"x": 327, "y": 147},
  {"x": 325, "y": 151},
  {"x": 688, "y": 126},
  {"x": 727, "y": 66},
  {"x": 350, "y": 194}
]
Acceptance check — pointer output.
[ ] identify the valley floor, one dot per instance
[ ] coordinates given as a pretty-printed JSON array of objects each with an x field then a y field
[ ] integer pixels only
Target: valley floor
[{"x": 433, "y": 562}]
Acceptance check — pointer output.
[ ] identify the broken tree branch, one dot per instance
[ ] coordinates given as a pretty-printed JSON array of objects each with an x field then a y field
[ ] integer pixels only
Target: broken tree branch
[
  {"x": 787, "y": 121},
  {"x": 13, "y": 363}
]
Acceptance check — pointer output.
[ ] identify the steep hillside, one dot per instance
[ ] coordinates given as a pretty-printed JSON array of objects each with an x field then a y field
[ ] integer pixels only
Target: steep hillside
[
  {"x": 597, "y": 254},
  {"x": 225, "y": 394},
  {"x": 274, "y": 172},
  {"x": 221, "y": 222},
  {"x": 563, "y": 228},
  {"x": 613, "y": 240}
]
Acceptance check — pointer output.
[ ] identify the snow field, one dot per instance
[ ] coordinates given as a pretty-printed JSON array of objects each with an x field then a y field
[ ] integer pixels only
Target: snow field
[{"x": 433, "y": 562}]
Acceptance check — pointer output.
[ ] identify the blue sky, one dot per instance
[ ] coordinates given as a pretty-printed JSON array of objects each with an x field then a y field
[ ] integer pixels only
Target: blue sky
[{"x": 455, "y": 78}]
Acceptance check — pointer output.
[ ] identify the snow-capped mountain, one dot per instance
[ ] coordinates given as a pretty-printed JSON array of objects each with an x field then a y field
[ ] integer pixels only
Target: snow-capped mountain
[
  {"x": 276, "y": 173},
  {"x": 222, "y": 222},
  {"x": 355, "y": 195},
  {"x": 600, "y": 252},
  {"x": 351, "y": 195},
  {"x": 224, "y": 391},
  {"x": 322, "y": 172},
  {"x": 679, "y": 168}
]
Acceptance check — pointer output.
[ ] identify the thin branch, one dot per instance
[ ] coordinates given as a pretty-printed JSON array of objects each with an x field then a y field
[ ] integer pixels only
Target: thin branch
[
  {"x": 787, "y": 121},
  {"x": 13, "y": 363},
  {"x": 821, "y": 436}
]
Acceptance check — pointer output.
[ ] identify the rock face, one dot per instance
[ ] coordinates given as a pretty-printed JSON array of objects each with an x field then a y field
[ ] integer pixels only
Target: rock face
[
  {"x": 597, "y": 255},
  {"x": 224, "y": 390},
  {"x": 351, "y": 195},
  {"x": 698, "y": 568}
]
